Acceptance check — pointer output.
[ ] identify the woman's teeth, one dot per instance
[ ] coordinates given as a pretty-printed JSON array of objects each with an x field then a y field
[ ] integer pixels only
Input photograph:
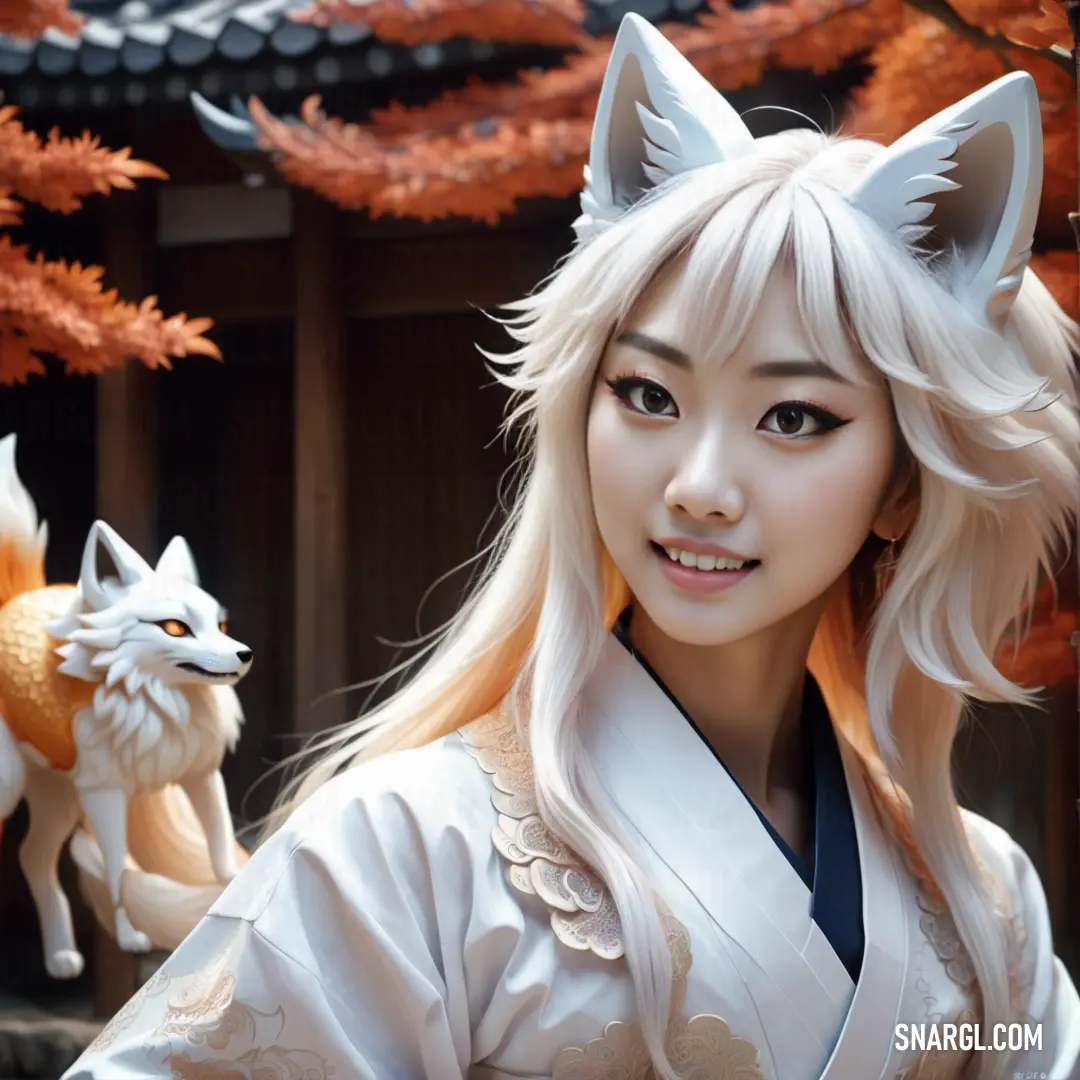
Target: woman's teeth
[{"x": 704, "y": 562}]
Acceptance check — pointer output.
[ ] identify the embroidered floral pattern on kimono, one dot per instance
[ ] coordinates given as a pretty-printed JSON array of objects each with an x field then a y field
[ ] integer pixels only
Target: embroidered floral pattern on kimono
[
  {"x": 583, "y": 914},
  {"x": 702, "y": 1047},
  {"x": 204, "y": 1012}
]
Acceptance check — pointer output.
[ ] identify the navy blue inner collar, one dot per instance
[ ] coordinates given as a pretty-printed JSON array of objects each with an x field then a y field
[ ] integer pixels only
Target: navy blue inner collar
[{"x": 835, "y": 880}]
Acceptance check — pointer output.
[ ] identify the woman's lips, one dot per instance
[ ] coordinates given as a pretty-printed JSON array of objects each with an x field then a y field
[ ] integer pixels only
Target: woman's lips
[{"x": 701, "y": 581}]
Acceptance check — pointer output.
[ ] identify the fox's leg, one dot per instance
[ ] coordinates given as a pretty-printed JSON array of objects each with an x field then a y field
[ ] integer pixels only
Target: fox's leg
[
  {"x": 106, "y": 811},
  {"x": 54, "y": 813},
  {"x": 211, "y": 806}
]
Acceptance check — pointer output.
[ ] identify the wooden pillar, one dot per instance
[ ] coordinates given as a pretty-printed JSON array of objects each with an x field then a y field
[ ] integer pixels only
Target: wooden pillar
[
  {"x": 126, "y": 479},
  {"x": 1062, "y": 875},
  {"x": 1062, "y": 784},
  {"x": 319, "y": 466}
]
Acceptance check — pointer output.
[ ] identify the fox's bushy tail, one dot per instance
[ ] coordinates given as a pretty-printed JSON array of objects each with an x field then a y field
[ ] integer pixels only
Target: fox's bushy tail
[{"x": 22, "y": 540}]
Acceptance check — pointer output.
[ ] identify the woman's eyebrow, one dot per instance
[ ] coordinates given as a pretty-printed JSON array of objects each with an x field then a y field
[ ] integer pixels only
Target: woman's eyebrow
[
  {"x": 660, "y": 349},
  {"x": 787, "y": 369},
  {"x": 767, "y": 369}
]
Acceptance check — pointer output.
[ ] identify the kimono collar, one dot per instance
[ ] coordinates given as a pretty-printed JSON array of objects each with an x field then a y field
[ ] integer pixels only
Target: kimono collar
[{"x": 835, "y": 882}]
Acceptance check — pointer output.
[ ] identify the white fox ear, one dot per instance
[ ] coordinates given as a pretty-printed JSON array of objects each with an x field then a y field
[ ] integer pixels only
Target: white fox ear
[
  {"x": 177, "y": 562},
  {"x": 657, "y": 116},
  {"x": 129, "y": 566},
  {"x": 991, "y": 143}
]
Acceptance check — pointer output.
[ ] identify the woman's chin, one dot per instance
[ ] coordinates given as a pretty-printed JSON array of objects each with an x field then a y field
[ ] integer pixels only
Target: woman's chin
[{"x": 694, "y": 622}]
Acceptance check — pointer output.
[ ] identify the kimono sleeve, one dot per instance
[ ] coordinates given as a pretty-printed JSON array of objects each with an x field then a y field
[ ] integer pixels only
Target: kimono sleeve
[
  {"x": 336, "y": 953},
  {"x": 1050, "y": 1000}
]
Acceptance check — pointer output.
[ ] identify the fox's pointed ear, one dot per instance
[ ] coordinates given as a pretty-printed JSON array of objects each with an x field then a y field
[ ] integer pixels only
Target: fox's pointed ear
[
  {"x": 657, "y": 116},
  {"x": 127, "y": 566},
  {"x": 177, "y": 562},
  {"x": 990, "y": 143}
]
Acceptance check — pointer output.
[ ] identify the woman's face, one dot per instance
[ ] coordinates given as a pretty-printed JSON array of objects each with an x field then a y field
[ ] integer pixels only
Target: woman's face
[{"x": 768, "y": 458}]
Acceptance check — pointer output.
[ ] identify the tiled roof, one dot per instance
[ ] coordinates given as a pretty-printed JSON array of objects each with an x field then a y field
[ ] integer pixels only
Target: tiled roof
[
  {"x": 143, "y": 51},
  {"x": 138, "y": 36},
  {"x": 140, "y": 51}
]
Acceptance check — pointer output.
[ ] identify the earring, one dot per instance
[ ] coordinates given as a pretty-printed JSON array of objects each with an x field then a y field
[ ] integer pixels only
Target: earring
[{"x": 885, "y": 566}]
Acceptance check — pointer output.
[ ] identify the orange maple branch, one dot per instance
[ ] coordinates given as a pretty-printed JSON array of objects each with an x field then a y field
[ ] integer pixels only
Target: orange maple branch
[
  {"x": 538, "y": 22},
  {"x": 30, "y": 18},
  {"x": 56, "y": 308},
  {"x": 60, "y": 309},
  {"x": 58, "y": 172},
  {"x": 431, "y": 175}
]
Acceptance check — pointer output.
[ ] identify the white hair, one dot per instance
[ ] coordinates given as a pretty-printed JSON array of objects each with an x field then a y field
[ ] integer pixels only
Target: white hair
[{"x": 990, "y": 440}]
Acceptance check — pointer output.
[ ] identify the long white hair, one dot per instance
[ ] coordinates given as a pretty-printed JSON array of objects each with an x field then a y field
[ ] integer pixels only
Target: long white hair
[{"x": 991, "y": 444}]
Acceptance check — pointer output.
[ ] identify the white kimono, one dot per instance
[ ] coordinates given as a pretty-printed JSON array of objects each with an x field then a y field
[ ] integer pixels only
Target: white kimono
[{"x": 414, "y": 920}]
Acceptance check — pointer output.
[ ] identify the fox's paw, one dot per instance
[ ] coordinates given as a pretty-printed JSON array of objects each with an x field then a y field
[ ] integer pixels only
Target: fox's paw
[
  {"x": 127, "y": 937},
  {"x": 64, "y": 964}
]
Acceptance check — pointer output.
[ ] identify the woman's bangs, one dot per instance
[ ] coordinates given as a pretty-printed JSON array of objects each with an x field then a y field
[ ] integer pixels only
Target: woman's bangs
[
  {"x": 824, "y": 308},
  {"x": 728, "y": 267}
]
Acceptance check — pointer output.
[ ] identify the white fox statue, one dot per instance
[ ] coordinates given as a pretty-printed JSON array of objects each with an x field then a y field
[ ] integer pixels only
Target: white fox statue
[{"x": 116, "y": 710}]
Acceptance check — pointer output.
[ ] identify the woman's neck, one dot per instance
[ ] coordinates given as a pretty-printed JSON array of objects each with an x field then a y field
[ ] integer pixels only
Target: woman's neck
[{"x": 745, "y": 697}]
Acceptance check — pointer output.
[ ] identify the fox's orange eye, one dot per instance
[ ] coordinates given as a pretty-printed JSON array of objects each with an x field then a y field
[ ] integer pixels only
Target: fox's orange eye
[
  {"x": 175, "y": 628},
  {"x": 223, "y": 626}
]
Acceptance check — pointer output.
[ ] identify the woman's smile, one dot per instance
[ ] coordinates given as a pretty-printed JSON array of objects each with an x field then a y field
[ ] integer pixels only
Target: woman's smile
[
  {"x": 694, "y": 579},
  {"x": 698, "y": 572}
]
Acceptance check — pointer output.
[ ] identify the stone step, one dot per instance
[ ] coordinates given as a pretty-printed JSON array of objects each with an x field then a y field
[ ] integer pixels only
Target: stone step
[{"x": 39, "y": 1044}]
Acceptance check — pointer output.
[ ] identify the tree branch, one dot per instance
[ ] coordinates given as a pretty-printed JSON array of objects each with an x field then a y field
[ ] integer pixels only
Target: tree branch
[{"x": 944, "y": 13}]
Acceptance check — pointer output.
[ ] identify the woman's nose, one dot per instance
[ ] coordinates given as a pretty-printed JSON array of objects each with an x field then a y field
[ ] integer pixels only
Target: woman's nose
[{"x": 706, "y": 483}]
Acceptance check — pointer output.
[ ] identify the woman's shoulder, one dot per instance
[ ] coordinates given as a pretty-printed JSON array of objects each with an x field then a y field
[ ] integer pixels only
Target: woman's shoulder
[
  {"x": 400, "y": 821},
  {"x": 1018, "y": 891},
  {"x": 436, "y": 787},
  {"x": 1006, "y": 860},
  {"x": 1041, "y": 986}
]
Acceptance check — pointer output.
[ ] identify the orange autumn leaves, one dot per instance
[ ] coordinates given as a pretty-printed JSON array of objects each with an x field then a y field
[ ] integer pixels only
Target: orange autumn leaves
[
  {"x": 546, "y": 22},
  {"x": 57, "y": 172},
  {"x": 1039, "y": 24},
  {"x": 29, "y": 18},
  {"x": 925, "y": 66},
  {"x": 478, "y": 150},
  {"x": 1045, "y": 655},
  {"x": 51, "y": 307}
]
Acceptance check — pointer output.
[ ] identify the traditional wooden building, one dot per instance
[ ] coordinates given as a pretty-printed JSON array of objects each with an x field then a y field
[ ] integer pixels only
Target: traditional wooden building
[{"x": 343, "y": 460}]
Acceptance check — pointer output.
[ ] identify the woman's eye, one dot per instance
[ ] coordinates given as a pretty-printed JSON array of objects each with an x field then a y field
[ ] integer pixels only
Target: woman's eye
[
  {"x": 175, "y": 628},
  {"x": 643, "y": 396},
  {"x": 796, "y": 420}
]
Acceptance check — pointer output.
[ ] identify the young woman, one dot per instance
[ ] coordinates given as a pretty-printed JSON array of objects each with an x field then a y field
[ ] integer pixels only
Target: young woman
[{"x": 672, "y": 796}]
